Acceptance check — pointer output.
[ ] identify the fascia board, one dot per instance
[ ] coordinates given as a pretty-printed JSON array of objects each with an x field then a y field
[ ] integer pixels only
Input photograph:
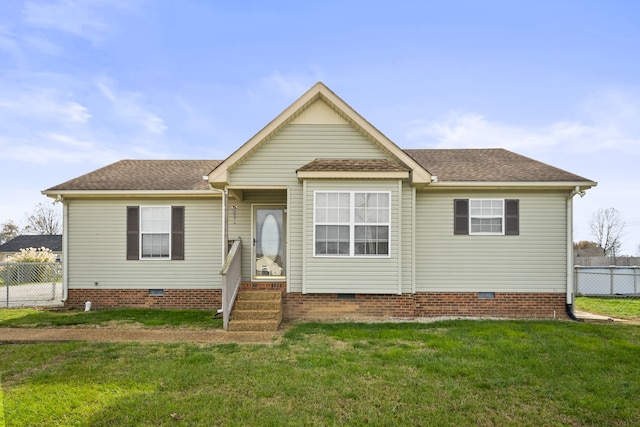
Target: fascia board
[{"x": 569, "y": 185}]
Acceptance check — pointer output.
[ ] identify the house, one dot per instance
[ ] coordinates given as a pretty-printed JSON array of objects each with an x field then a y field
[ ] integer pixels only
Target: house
[
  {"x": 52, "y": 242},
  {"x": 331, "y": 213}
]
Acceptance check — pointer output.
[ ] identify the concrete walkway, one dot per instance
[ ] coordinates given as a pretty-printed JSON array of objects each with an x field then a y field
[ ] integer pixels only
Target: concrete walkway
[{"x": 25, "y": 335}]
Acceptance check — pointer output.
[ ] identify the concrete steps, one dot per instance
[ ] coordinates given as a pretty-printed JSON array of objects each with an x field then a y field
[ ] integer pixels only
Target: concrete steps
[{"x": 256, "y": 311}]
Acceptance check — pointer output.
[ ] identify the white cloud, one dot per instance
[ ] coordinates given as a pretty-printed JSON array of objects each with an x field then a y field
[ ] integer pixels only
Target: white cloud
[
  {"x": 126, "y": 106},
  {"x": 607, "y": 120},
  {"x": 75, "y": 17},
  {"x": 44, "y": 105},
  {"x": 87, "y": 19}
]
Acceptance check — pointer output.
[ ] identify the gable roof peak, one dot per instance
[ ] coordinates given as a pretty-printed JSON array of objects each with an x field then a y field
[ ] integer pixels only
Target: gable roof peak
[{"x": 219, "y": 177}]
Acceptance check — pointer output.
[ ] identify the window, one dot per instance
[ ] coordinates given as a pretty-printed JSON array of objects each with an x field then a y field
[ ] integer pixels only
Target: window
[
  {"x": 352, "y": 223},
  {"x": 486, "y": 216},
  {"x": 155, "y": 232}
]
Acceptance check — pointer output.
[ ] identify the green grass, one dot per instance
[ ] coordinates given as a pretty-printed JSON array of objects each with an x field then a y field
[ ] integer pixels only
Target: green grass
[
  {"x": 621, "y": 308},
  {"x": 31, "y": 318},
  {"x": 524, "y": 373}
]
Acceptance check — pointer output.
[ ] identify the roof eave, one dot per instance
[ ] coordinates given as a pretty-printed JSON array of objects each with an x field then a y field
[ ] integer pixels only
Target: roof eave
[
  {"x": 129, "y": 193},
  {"x": 489, "y": 185}
]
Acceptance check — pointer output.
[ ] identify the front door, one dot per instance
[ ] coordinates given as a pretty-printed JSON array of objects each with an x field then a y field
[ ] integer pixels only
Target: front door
[{"x": 269, "y": 244}]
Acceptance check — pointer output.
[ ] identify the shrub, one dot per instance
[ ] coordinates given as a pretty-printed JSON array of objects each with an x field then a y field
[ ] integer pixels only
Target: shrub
[
  {"x": 33, "y": 255},
  {"x": 30, "y": 266}
]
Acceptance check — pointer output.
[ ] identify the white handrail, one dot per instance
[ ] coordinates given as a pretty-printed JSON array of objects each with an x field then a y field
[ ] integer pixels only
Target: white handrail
[{"x": 231, "y": 278}]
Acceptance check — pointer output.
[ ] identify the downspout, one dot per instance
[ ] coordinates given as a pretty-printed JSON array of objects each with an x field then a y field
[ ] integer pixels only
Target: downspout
[
  {"x": 65, "y": 247},
  {"x": 224, "y": 193},
  {"x": 570, "y": 296},
  {"x": 225, "y": 245}
]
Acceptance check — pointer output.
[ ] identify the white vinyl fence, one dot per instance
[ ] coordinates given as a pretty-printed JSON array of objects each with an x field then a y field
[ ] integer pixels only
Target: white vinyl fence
[
  {"x": 610, "y": 281},
  {"x": 30, "y": 284}
]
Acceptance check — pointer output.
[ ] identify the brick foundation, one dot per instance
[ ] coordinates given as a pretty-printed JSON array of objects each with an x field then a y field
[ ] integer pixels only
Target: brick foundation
[
  {"x": 198, "y": 299},
  {"x": 298, "y": 306}
]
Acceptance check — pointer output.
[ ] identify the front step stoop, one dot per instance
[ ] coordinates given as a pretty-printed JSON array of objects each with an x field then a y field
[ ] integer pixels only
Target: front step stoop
[{"x": 256, "y": 311}]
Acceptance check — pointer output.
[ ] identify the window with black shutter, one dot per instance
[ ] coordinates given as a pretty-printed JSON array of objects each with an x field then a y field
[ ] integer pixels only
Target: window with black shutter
[
  {"x": 486, "y": 217},
  {"x": 155, "y": 232}
]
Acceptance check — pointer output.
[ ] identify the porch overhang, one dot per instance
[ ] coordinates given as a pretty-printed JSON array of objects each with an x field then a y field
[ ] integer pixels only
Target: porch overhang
[{"x": 353, "y": 169}]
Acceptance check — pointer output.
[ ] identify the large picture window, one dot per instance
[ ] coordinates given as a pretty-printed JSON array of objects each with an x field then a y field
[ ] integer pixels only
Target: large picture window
[{"x": 352, "y": 223}]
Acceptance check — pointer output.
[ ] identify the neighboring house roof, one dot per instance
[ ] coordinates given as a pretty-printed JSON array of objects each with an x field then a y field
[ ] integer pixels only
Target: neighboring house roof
[
  {"x": 488, "y": 165},
  {"x": 52, "y": 241},
  {"x": 144, "y": 175}
]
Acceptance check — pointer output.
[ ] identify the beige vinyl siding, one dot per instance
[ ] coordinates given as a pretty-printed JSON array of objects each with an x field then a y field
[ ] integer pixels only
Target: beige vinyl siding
[
  {"x": 97, "y": 247},
  {"x": 533, "y": 261},
  {"x": 374, "y": 275},
  {"x": 276, "y": 162},
  {"x": 406, "y": 258}
]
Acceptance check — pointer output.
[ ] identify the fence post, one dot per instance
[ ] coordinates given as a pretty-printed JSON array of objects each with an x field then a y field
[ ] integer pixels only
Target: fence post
[
  {"x": 576, "y": 285},
  {"x": 635, "y": 280},
  {"x": 6, "y": 281},
  {"x": 612, "y": 269}
]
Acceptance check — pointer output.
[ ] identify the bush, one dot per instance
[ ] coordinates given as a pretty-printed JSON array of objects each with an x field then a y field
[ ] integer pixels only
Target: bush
[
  {"x": 33, "y": 255},
  {"x": 30, "y": 266}
]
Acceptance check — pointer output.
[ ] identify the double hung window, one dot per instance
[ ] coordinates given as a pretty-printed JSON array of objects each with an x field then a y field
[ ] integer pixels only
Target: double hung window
[
  {"x": 352, "y": 223},
  {"x": 487, "y": 216},
  {"x": 155, "y": 232}
]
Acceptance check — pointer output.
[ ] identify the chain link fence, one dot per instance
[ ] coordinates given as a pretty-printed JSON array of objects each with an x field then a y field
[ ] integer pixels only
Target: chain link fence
[
  {"x": 610, "y": 281},
  {"x": 28, "y": 284}
]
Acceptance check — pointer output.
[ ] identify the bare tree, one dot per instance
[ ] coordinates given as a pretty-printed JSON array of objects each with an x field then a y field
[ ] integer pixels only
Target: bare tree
[
  {"x": 45, "y": 220},
  {"x": 607, "y": 226},
  {"x": 8, "y": 231}
]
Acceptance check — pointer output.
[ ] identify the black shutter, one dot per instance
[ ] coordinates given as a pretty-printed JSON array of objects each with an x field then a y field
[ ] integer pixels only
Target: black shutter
[
  {"x": 133, "y": 232},
  {"x": 177, "y": 232},
  {"x": 461, "y": 216},
  {"x": 511, "y": 218}
]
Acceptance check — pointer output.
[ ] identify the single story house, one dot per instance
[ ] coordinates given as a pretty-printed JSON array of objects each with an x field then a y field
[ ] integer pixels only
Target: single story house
[
  {"x": 53, "y": 242},
  {"x": 335, "y": 216}
]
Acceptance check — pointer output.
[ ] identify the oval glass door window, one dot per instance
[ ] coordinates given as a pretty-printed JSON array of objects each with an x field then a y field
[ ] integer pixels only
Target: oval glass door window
[{"x": 270, "y": 237}]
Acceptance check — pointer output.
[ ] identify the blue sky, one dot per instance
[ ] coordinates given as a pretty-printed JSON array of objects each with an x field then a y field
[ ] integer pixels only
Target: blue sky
[{"x": 84, "y": 83}]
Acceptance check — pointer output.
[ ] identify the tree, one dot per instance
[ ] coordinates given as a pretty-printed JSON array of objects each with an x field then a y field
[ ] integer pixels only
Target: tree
[
  {"x": 607, "y": 226},
  {"x": 44, "y": 220},
  {"x": 9, "y": 231}
]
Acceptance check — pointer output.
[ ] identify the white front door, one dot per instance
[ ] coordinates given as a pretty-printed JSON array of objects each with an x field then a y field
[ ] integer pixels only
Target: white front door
[{"x": 269, "y": 243}]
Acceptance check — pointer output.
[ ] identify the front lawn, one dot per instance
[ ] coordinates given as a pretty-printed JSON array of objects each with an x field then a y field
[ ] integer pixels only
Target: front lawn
[
  {"x": 122, "y": 317},
  {"x": 620, "y": 308},
  {"x": 525, "y": 373}
]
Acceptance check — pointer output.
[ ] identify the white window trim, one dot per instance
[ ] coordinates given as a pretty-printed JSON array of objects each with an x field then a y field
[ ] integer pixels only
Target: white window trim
[
  {"x": 352, "y": 224},
  {"x": 140, "y": 233},
  {"x": 502, "y": 218}
]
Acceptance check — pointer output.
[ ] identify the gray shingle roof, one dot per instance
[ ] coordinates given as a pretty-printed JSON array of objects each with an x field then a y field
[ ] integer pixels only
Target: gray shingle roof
[
  {"x": 487, "y": 165},
  {"x": 141, "y": 175},
  {"x": 52, "y": 241},
  {"x": 453, "y": 165},
  {"x": 353, "y": 165}
]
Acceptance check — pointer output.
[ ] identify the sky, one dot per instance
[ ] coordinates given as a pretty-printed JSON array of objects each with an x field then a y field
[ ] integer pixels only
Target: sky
[{"x": 84, "y": 83}]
